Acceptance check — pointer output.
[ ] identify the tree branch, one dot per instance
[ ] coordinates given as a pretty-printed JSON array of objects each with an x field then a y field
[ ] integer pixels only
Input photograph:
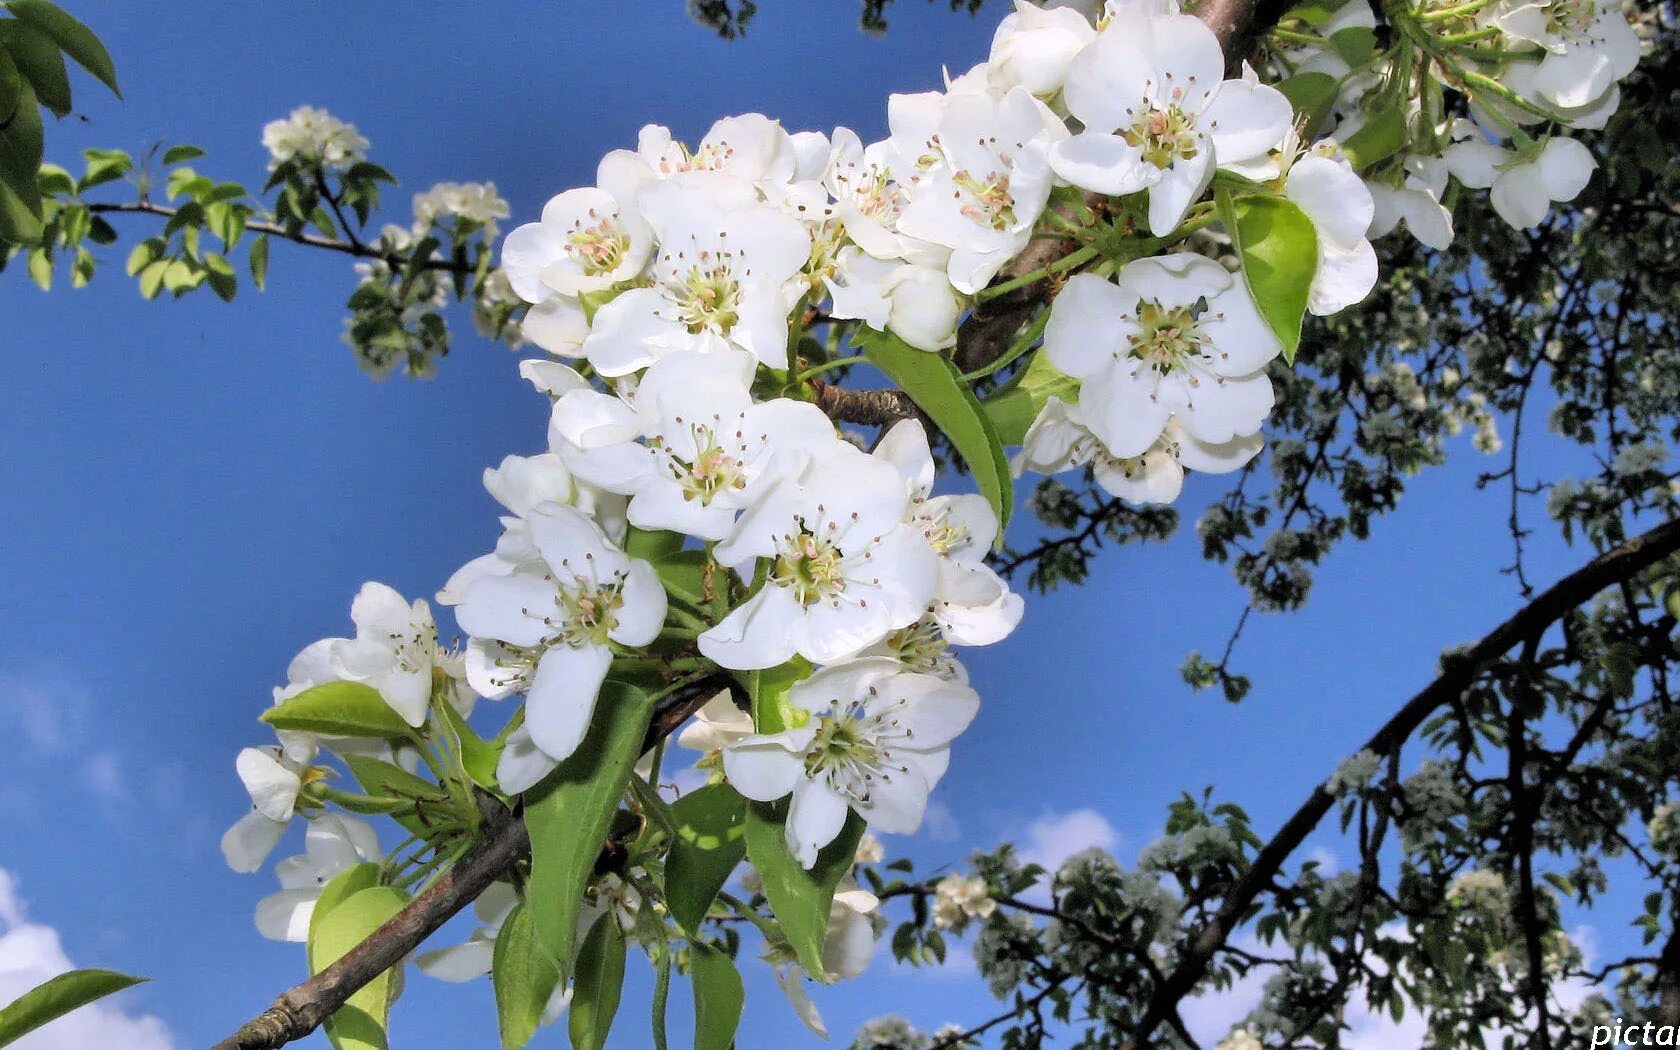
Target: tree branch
[
  {"x": 301, "y": 1009},
  {"x": 1458, "y": 671}
]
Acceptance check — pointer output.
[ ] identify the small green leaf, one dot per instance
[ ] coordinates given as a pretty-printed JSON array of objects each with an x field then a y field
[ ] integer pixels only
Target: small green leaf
[
  {"x": 104, "y": 165},
  {"x": 42, "y": 64},
  {"x": 935, "y": 385},
  {"x": 53, "y": 999},
  {"x": 599, "y": 983},
  {"x": 570, "y": 813},
  {"x": 151, "y": 278},
  {"x": 41, "y": 268},
  {"x": 341, "y": 887},
  {"x": 1013, "y": 408},
  {"x": 259, "y": 262},
  {"x": 718, "y": 997},
  {"x": 478, "y": 755},
  {"x": 711, "y": 840},
  {"x": 1311, "y": 94},
  {"x": 652, "y": 545},
  {"x": 799, "y": 898},
  {"x": 769, "y": 689},
  {"x": 220, "y": 276},
  {"x": 1279, "y": 250},
  {"x": 524, "y": 978},
  {"x": 338, "y": 709},
  {"x": 360, "y": 1023},
  {"x": 11, "y": 83},
  {"x": 74, "y": 38},
  {"x": 181, "y": 154},
  {"x": 1354, "y": 45},
  {"x": 1380, "y": 137},
  {"x": 21, "y": 145},
  {"x": 143, "y": 255}
]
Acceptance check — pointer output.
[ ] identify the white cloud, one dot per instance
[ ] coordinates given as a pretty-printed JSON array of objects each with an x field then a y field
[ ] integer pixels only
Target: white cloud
[
  {"x": 30, "y": 953},
  {"x": 939, "y": 824},
  {"x": 42, "y": 709},
  {"x": 1053, "y": 839}
]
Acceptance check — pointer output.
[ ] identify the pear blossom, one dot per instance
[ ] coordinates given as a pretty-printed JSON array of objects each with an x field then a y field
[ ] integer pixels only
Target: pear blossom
[
  {"x": 716, "y": 725},
  {"x": 1416, "y": 202},
  {"x": 972, "y": 603},
  {"x": 1059, "y": 440},
  {"x": 982, "y": 176},
  {"x": 475, "y": 202},
  {"x": 925, "y": 648},
  {"x": 708, "y": 452},
  {"x": 1585, "y": 45},
  {"x": 876, "y": 742},
  {"x": 845, "y": 566},
  {"x": 1158, "y": 114},
  {"x": 848, "y": 948},
  {"x": 557, "y": 620},
  {"x": 315, "y": 136},
  {"x": 1034, "y": 45},
  {"x": 333, "y": 843},
  {"x": 588, "y": 240},
  {"x": 1172, "y": 337},
  {"x": 915, "y": 303},
  {"x": 750, "y": 147},
  {"x": 273, "y": 779},
  {"x": 718, "y": 280},
  {"x": 958, "y": 898},
  {"x": 396, "y": 652},
  {"x": 868, "y": 200},
  {"x": 1524, "y": 186}
]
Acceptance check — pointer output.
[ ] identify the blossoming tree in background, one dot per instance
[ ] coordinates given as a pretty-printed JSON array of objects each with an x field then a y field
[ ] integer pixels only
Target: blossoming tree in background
[{"x": 1135, "y": 242}]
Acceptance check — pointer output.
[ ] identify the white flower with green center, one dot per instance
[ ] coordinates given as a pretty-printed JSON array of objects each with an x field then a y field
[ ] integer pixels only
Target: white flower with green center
[
  {"x": 1172, "y": 337},
  {"x": 843, "y": 566},
  {"x": 313, "y": 136},
  {"x": 1159, "y": 115},
  {"x": 567, "y": 612},
  {"x": 718, "y": 280},
  {"x": 694, "y": 449},
  {"x": 1059, "y": 440},
  {"x": 915, "y": 303},
  {"x": 971, "y": 602},
  {"x": 589, "y": 239},
  {"x": 396, "y": 652},
  {"x": 1585, "y": 46},
  {"x": 978, "y": 175},
  {"x": 875, "y": 742},
  {"x": 750, "y": 147},
  {"x": 921, "y": 647},
  {"x": 868, "y": 201}
]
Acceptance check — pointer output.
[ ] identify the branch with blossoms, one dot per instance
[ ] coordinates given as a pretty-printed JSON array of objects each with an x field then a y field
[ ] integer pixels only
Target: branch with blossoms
[{"x": 1095, "y": 248}]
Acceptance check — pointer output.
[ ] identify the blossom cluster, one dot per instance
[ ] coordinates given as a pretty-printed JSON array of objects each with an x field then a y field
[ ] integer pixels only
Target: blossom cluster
[{"x": 697, "y": 511}]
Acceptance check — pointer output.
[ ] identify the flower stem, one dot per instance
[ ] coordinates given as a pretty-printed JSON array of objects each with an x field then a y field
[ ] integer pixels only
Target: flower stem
[{"x": 1066, "y": 262}]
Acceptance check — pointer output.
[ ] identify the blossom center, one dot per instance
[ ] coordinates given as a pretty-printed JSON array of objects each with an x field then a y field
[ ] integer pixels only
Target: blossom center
[
  {"x": 1165, "y": 135},
  {"x": 600, "y": 247},
  {"x": 1571, "y": 18},
  {"x": 944, "y": 535},
  {"x": 922, "y": 647},
  {"x": 713, "y": 469},
  {"x": 811, "y": 565},
  {"x": 990, "y": 202},
  {"x": 709, "y": 297},
  {"x": 1167, "y": 336},
  {"x": 587, "y": 612}
]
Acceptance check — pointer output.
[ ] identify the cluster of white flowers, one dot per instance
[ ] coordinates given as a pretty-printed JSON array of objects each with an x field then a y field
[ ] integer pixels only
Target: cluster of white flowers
[
  {"x": 695, "y": 510},
  {"x": 1241, "y": 1039},
  {"x": 315, "y": 136},
  {"x": 1664, "y": 828},
  {"x": 1524, "y": 65},
  {"x": 958, "y": 898},
  {"x": 1481, "y": 891},
  {"x": 1353, "y": 774}
]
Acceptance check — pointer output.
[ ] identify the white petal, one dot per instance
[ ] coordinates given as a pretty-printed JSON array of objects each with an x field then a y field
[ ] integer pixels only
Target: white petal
[
  {"x": 273, "y": 787},
  {"x": 815, "y": 817},
  {"x": 1102, "y": 163},
  {"x": 523, "y": 764},
  {"x": 1247, "y": 120},
  {"x": 507, "y": 608},
  {"x": 562, "y": 696},
  {"x": 765, "y": 768},
  {"x": 249, "y": 842},
  {"x": 758, "y": 634},
  {"x": 643, "y": 612},
  {"x": 284, "y": 916},
  {"x": 459, "y": 962}
]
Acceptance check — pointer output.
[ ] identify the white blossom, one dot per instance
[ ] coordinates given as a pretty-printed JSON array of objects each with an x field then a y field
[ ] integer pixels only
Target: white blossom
[
  {"x": 315, "y": 136},
  {"x": 333, "y": 843},
  {"x": 1524, "y": 185}
]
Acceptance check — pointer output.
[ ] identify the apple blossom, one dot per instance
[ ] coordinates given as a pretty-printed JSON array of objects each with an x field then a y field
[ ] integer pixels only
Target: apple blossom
[
  {"x": 877, "y": 741},
  {"x": 1585, "y": 45}
]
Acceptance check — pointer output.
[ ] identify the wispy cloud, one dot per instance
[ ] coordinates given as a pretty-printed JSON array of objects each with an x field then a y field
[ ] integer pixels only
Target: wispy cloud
[
  {"x": 31, "y": 952},
  {"x": 1052, "y": 839}
]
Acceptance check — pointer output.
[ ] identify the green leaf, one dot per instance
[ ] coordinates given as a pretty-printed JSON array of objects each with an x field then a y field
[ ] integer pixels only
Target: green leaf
[
  {"x": 53, "y": 999},
  {"x": 772, "y": 711},
  {"x": 104, "y": 165},
  {"x": 220, "y": 275},
  {"x": 718, "y": 997},
  {"x": 652, "y": 545},
  {"x": 385, "y": 780},
  {"x": 479, "y": 755},
  {"x": 360, "y": 1023},
  {"x": 11, "y": 83},
  {"x": 711, "y": 840},
  {"x": 41, "y": 268},
  {"x": 74, "y": 38},
  {"x": 21, "y": 145},
  {"x": 1311, "y": 93},
  {"x": 1013, "y": 408},
  {"x": 1380, "y": 137},
  {"x": 524, "y": 978},
  {"x": 340, "y": 888},
  {"x": 570, "y": 813},
  {"x": 799, "y": 898},
  {"x": 259, "y": 262},
  {"x": 41, "y": 63},
  {"x": 1354, "y": 45},
  {"x": 1279, "y": 250},
  {"x": 151, "y": 278},
  {"x": 338, "y": 709},
  {"x": 599, "y": 983},
  {"x": 180, "y": 154},
  {"x": 936, "y": 386}
]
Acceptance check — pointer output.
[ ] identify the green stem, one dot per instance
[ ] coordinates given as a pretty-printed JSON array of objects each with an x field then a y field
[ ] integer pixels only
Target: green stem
[
  {"x": 1494, "y": 87},
  {"x": 661, "y": 994},
  {"x": 1020, "y": 346},
  {"x": 770, "y": 930},
  {"x": 1472, "y": 37},
  {"x": 1066, "y": 262},
  {"x": 1291, "y": 37},
  {"x": 1456, "y": 11},
  {"x": 829, "y": 366}
]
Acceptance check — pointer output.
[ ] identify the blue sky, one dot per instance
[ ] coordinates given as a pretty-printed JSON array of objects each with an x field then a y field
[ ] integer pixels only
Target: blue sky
[{"x": 193, "y": 491}]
